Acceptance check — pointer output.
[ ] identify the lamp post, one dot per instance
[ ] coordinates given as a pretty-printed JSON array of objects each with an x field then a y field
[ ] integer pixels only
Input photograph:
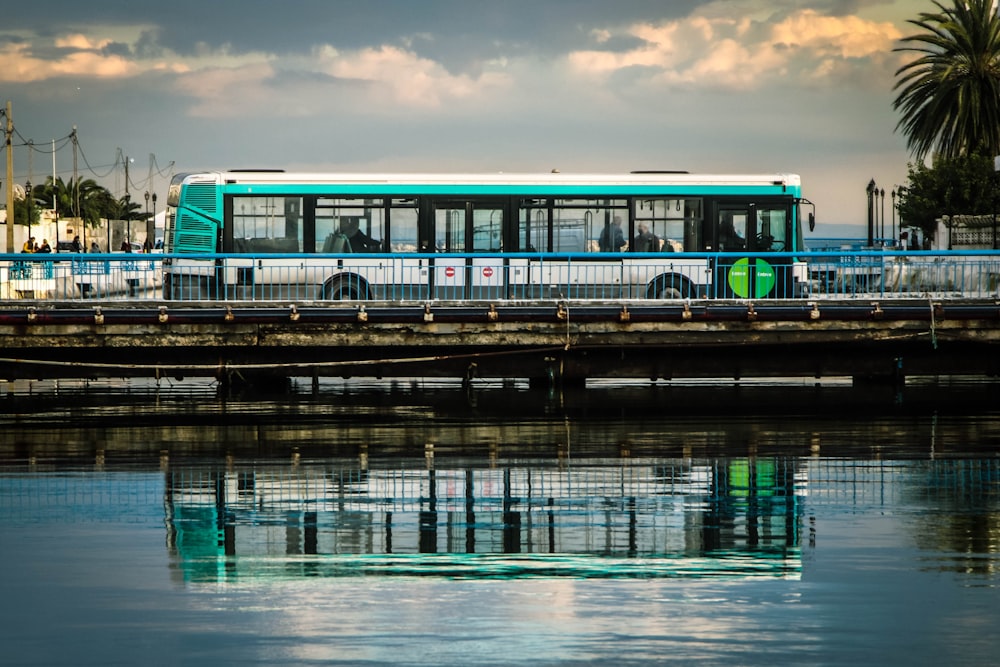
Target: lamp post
[
  {"x": 882, "y": 228},
  {"x": 27, "y": 201},
  {"x": 871, "y": 189},
  {"x": 128, "y": 217},
  {"x": 153, "y": 222},
  {"x": 893, "y": 195},
  {"x": 147, "y": 218}
]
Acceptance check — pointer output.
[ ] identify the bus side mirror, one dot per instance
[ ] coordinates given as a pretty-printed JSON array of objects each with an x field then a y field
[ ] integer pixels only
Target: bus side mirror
[{"x": 812, "y": 222}]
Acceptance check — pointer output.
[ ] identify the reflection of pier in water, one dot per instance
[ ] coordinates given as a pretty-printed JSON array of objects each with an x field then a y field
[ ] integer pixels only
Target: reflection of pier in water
[
  {"x": 639, "y": 517},
  {"x": 632, "y": 519}
]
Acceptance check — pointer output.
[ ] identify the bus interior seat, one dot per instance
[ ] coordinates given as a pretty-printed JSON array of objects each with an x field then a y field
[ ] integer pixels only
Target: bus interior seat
[
  {"x": 273, "y": 245},
  {"x": 339, "y": 243}
]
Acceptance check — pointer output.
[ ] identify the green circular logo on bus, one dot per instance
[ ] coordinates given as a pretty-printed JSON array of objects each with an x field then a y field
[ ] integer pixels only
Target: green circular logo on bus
[{"x": 762, "y": 274}]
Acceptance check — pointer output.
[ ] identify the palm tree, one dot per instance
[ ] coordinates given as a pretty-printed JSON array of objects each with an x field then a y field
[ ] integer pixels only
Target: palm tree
[
  {"x": 86, "y": 194},
  {"x": 950, "y": 95},
  {"x": 57, "y": 192}
]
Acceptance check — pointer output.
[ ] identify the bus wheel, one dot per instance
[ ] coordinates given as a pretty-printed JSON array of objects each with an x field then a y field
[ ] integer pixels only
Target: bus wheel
[
  {"x": 669, "y": 287},
  {"x": 340, "y": 289}
]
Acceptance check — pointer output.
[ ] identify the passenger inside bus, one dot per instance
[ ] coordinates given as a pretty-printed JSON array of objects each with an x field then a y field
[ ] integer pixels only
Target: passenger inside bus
[
  {"x": 612, "y": 239},
  {"x": 645, "y": 240},
  {"x": 350, "y": 238}
]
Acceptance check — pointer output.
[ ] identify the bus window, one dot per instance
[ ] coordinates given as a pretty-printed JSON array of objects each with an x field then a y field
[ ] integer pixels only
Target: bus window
[
  {"x": 349, "y": 225},
  {"x": 675, "y": 223},
  {"x": 449, "y": 229},
  {"x": 732, "y": 229},
  {"x": 403, "y": 225},
  {"x": 267, "y": 224},
  {"x": 771, "y": 230},
  {"x": 533, "y": 225},
  {"x": 577, "y": 224},
  {"x": 487, "y": 229},
  {"x": 693, "y": 225}
]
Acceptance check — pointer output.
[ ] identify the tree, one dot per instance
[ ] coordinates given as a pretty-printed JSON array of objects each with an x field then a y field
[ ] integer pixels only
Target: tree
[
  {"x": 27, "y": 207},
  {"x": 58, "y": 192},
  {"x": 122, "y": 208},
  {"x": 952, "y": 186},
  {"x": 87, "y": 193},
  {"x": 950, "y": 95}
]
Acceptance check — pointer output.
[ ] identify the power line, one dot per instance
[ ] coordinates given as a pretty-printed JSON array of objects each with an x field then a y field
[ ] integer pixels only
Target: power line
[
  {"x": 92, "y": 169},
  {"x": 100, "y": 171}
]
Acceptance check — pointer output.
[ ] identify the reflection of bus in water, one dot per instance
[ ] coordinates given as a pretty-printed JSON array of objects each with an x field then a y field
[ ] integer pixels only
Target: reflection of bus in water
[
  {"x": 403, "y": 237},
  {"x": 669, "y": 518}
]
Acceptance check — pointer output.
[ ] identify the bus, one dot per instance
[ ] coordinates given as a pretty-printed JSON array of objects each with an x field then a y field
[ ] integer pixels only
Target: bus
[{"x": 272, "y": 235}]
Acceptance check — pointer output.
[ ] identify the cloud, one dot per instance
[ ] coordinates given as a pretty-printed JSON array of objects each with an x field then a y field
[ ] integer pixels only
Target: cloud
[
  {"x": 741, "y": 53},
  {"x": 401, "y": 77},
  {"x": 377, "y": 80},
  {"x": 73, "y": 55}
]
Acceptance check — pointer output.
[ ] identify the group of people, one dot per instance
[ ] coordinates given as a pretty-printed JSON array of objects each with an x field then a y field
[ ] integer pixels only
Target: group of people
[
  {"x": 612, "y": 238},
  {"x": 126, "y": 246},
  {"x": 32, "y": 246}
]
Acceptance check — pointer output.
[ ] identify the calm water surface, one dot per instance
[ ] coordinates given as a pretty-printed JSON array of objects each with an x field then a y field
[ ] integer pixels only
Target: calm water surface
[{"x": 417, "y": 524}]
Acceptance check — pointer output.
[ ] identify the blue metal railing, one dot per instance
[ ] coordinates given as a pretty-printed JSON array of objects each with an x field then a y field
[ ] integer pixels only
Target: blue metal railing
[{"x": 842, "y": 274}]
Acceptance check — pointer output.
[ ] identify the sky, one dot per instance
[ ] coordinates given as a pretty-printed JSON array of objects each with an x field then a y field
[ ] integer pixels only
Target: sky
[{"x": 516, "y": 86}]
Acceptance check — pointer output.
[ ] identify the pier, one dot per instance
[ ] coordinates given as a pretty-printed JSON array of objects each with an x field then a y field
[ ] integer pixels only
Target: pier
[{"x": 880, "y": 321}]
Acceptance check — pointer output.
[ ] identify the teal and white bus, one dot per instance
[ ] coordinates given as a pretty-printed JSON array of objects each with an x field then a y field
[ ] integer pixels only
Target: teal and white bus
[{"x": 271, "y": 235}]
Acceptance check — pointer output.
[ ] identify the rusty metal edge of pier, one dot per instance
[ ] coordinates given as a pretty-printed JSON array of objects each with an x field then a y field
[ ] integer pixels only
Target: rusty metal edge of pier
[{"x": 557, "y": 341}]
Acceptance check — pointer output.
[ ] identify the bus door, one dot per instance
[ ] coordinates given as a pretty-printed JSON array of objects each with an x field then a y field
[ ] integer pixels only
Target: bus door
[
  {"x": 747, "y": 229},
  {"x": 468, "y": 226}
]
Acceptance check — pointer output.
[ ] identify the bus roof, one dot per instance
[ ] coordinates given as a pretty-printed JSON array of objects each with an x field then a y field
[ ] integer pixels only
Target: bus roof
[{"x": 501, "y": 179}]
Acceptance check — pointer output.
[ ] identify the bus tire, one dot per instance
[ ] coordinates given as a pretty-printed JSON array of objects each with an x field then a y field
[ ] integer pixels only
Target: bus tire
[
  {"x": 344, "y": 288},
  {"x": 670, "y": 286}
]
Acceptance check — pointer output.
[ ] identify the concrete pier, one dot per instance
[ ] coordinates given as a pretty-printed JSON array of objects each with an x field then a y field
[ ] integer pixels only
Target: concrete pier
[{"x": 549, "y": 342}]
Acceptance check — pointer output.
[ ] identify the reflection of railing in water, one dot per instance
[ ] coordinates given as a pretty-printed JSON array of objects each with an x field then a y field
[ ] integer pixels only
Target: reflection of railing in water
[{"x": 637, "y": 519}]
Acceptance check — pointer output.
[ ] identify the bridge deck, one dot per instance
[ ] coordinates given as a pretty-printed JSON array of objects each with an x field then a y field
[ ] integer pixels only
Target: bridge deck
[
  {"x": 554, "y": 340},
  {"x": 870, "y": 313}
]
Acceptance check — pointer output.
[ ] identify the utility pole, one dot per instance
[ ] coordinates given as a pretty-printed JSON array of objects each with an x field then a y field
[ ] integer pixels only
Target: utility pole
[
  {"x": 55, "y": 204},
  {"x": 9, "y": 132},
  {"x": 150, "y": 223},
  {"x": 871, "y": 190},
  {"x": 128, "y": 213},
  {"x": 76, "y": 191}
]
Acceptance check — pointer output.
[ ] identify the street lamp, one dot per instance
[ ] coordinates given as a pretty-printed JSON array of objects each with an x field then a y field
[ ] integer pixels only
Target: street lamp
[
  {"x": 147, "y": 220},
  {"x": 153, "y": 224},
  {"x": 871, "y": 190},
  {"x": 894, "y": 216},
  {"x": 27, "y": 200},
  {"x": 882, "y": 228},
  {"x": 128, "y": 215}
]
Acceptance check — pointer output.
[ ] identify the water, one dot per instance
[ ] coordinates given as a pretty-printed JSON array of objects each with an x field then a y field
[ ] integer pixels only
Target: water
[{"x": 420, "y": 524}]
